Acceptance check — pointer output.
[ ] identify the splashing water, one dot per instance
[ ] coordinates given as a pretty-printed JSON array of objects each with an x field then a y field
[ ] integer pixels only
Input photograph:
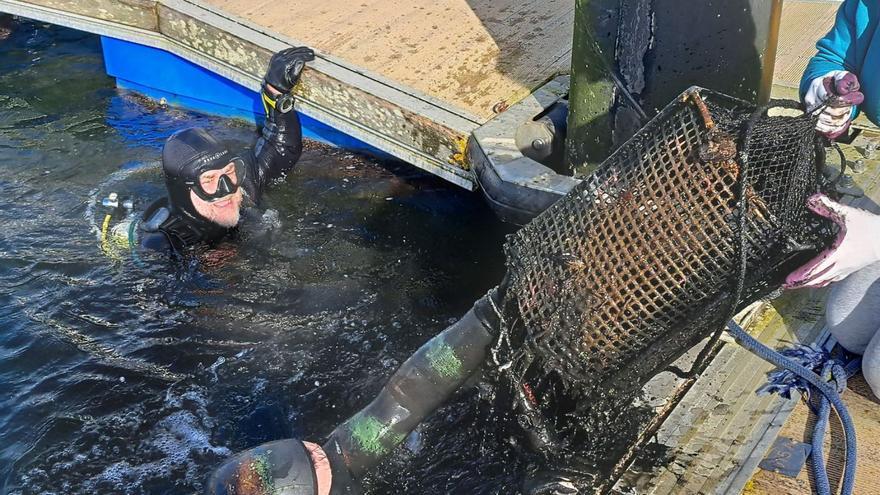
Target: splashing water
[{"x": 140, "y": 376}]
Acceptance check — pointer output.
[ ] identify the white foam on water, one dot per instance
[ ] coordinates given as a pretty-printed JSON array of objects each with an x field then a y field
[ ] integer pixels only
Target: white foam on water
[
  {"x": 259, "y": 387},
  {"x": 213, "y": 368},
  {"x": 179, "y": 440},
  {"x": 271, "y": 219},
  {"x": 184, "y": 434},
  {"x": 176, "y": 447}
]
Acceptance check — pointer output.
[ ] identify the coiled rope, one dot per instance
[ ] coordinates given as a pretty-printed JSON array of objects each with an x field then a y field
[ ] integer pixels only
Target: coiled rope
[{"x": 794, "y": 375}]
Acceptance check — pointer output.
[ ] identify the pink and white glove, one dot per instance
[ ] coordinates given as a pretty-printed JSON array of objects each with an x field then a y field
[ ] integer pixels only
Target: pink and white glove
[
  {"x": 833, "y": 96},
  {"x": 857, "y": 245}
]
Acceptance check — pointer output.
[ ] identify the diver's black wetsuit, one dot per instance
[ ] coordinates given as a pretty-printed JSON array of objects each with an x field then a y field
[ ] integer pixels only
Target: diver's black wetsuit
[
  {"x": 171, "y": 223},
  {"x": 421, "y": 385},
  {"x": 416, "y": 390}
]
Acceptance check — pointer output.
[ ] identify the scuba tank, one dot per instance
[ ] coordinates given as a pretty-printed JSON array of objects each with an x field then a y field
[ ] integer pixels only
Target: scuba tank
[
  {"x": 111, "y": 210},
  {"x": 119, "y": 237}
]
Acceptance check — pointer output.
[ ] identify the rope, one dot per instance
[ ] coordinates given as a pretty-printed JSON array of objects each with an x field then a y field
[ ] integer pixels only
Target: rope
[
  {"x": 832, "y": 370},
  {"x": 741, "y": 247},
  {"x": 830, "y": 397}
]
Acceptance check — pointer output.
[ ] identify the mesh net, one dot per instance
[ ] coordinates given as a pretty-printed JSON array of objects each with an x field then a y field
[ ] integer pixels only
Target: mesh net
[{"x": 701, "y": 211}]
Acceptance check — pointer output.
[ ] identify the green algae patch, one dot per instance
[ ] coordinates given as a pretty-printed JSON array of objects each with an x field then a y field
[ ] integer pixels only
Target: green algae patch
[
  {"x": 373, "y": 436},
  {"x": 444, "y": 361}
]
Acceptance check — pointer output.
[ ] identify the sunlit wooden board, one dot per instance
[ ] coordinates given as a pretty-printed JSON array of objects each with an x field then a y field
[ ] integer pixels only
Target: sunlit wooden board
[
  {"x": 470, "y": 54},
  {"x": 803, "y": 23}
]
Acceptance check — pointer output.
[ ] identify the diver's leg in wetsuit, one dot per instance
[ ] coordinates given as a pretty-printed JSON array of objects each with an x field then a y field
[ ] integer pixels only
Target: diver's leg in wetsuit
[
  {"x": 418, "y": 388},
  {"x": 421, "y": 385}
]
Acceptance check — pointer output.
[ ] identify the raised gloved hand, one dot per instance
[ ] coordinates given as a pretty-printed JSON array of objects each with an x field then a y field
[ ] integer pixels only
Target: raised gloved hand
[
  {"x": 857, "y": 245},
  {"x": 286, "y": 66},
  {"x": 833, "y": 96}
]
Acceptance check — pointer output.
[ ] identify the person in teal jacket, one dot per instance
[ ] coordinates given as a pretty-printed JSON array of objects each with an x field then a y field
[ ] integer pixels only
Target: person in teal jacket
[
  {"x": 842, "y": 79},
  {"x": 850, "y": 51}
]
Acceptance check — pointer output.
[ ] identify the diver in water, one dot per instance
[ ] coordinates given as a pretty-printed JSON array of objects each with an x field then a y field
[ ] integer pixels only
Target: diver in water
[
  {"x": 208, "y": 183},
  {"x": 418, "y": 388}
]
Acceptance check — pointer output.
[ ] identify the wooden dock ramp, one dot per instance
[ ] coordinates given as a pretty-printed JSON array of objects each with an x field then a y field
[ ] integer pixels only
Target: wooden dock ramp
[
  {"x": 413, "y": 79},
  {"x": 471, "y": 55}
]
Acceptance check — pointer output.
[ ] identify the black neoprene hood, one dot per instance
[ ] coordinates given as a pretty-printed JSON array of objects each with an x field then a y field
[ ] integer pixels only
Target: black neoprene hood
[
  {"x": 190, "y": 152},
  {"x": 186, "y": 155}
]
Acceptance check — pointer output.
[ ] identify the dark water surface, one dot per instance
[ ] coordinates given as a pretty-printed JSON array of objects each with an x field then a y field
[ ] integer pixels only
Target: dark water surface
[{"x": 139, "y": 376}]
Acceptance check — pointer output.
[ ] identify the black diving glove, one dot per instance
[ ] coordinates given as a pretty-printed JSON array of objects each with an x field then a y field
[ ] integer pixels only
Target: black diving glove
[{"x": 286, "y": 66}]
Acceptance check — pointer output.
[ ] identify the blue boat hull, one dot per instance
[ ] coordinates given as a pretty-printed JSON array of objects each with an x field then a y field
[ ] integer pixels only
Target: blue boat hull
[{"x": 161, "y": 75}]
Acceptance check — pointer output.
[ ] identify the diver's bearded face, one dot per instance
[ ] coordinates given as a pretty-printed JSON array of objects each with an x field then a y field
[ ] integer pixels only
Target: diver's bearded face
[{"x": 223, "y": 211}]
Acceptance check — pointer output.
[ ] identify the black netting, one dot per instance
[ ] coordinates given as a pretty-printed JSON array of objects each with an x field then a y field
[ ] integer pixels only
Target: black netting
[{"x": 642, "y": 260}]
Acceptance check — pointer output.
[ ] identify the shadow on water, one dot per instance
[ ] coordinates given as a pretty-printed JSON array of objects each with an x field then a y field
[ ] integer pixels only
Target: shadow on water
[{"x": 128, "y": 375}]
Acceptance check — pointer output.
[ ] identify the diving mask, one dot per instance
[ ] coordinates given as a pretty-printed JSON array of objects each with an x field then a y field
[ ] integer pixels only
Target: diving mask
[{"x": 214, "y": 185}]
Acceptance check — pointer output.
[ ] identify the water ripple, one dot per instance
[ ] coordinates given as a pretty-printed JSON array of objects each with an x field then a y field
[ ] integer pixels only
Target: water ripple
[{"x": 139, "y": 376}]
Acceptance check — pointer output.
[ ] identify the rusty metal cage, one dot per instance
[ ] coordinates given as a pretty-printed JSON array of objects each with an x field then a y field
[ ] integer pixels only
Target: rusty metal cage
[{"x": 701, "y": 211}]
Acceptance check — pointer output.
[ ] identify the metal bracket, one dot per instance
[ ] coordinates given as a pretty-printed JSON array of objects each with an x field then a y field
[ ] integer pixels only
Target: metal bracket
[
  {"x": 517, "y": 187},
  {"x": 786, "y": 457}
]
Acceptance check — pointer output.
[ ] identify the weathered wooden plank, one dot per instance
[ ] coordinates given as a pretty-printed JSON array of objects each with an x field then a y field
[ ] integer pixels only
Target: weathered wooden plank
[
  {"x": 472, "y": 54},
  {"x": 866, "y": 416},
  {"x": 416, "y": 130},
  {"x": 803, "y": 23},
  {"x": 393, "y": 118},
  {"x": 213, "y": 42},
  {"x": 861, "y": 402},
  {"x": 718, "y": 422},
  {"x": 136, "y": 13},
  {"x": 363, "y": 109}
]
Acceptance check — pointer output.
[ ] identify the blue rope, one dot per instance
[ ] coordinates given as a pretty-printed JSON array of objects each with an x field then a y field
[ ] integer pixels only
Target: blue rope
[
  {"x": 831, "y": 370},
  {"x": 796, "y": 374}
]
